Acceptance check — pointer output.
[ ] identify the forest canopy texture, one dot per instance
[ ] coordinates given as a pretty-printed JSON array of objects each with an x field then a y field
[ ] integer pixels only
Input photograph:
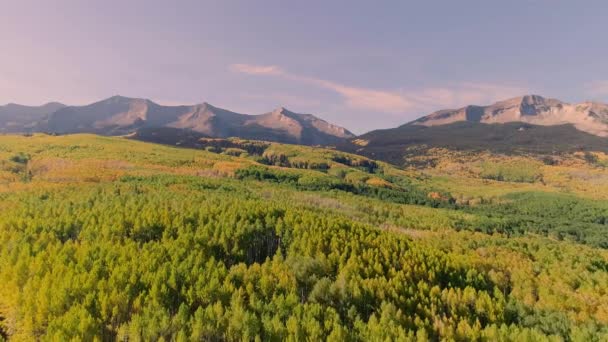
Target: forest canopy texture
[{"x": 111, "y": 239}]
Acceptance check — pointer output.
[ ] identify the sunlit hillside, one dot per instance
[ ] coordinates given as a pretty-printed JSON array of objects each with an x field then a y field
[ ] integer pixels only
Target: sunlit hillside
[
  {"x": 108, "y": 238},
  {"x": 487, "y": 174}
]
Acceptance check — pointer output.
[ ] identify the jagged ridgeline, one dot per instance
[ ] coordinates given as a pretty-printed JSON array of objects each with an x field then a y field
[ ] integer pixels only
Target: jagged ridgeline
[
  {"x": 114, "y": 239},
  {"x": 529, "y": 124},
  {"x": 119, "y": 115}
]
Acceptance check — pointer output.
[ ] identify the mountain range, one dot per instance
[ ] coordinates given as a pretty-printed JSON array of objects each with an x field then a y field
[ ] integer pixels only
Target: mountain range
[
  {"x": 529, "y": 123},
  {"x": 120, "y": 115},
  {"x": 15, "y": 118},
  {"x": 590, "y": 117}
]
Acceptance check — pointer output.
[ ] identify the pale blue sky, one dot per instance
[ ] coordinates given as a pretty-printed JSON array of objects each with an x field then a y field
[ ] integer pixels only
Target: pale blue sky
[{"x": 361, "y": 64}]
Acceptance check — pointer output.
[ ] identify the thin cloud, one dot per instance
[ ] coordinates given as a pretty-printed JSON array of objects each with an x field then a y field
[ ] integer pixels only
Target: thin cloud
[
  {"x": 396, "y": 101},
  {"x": 384, "y": 101},
  {"x": 284, "y": 99},
  {"x": 365, "y": 98},
  {"x": 465, "y": 93},
  {"x": 257, "y": 69},
  {"x": 598, "y": 88}
]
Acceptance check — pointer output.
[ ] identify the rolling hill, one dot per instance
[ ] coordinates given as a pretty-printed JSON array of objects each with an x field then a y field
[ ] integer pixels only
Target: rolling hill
[{"x": 106, "y": 238}]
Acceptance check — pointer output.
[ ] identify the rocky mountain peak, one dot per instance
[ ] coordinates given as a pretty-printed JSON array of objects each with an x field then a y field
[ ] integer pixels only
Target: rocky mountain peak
[{"x": 532, "y": 109}]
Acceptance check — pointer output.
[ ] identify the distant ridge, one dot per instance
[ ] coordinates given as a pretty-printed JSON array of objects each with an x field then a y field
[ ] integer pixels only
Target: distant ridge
[
  {"x": 119, "y": 115},
  {"x": 590, "y": 117},
  {"x": 525, "y": 123},
  {"x": 529, "y": 124},
  {"x": 18, "y": 118}
]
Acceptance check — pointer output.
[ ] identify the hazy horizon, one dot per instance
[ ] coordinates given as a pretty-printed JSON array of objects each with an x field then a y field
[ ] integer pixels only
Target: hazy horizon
[{"x": 325, "y": 59}]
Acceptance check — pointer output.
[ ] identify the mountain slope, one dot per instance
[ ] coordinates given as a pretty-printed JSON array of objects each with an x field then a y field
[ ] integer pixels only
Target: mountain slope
[
  {"x": 393, "y": 145},
  {"x": 144, "y": 241},
  {"x": 113, "y": 116},
  {"x": 121, "y": 115},
  {"x": 278, "y": 125},
  {"x": 18, "y": 118},
  {"x": 527, "y": 124},
  {"x": 590, "y": 117}
]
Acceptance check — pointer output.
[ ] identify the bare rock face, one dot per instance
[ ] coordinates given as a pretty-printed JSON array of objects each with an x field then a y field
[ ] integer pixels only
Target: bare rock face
[
  {"x": 279, "y": 125},
  {"x": 533, "y": 109},
  {"x": 120, "y": 115}
]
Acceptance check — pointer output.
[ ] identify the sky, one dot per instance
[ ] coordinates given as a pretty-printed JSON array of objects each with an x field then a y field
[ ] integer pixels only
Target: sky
[{"x": 360, "y": 64}]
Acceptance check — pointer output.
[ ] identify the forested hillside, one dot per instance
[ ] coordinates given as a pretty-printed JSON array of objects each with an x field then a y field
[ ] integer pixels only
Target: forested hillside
[
  {"x": 113, "y": 239},
  {"x": 513, "y": 138}
]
